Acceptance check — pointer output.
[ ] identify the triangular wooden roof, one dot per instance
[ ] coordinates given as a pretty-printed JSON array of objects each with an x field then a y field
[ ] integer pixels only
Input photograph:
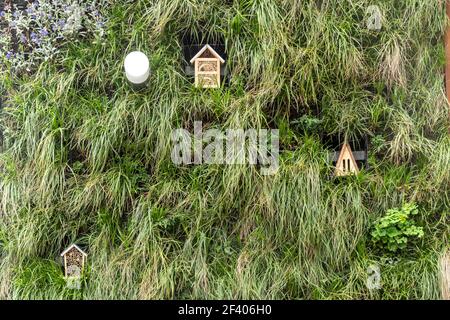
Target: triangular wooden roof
[
  {"x": 207, "y": 47},
  {"x": 346, "y": 150},
  {"x": 72, "y": 246}
]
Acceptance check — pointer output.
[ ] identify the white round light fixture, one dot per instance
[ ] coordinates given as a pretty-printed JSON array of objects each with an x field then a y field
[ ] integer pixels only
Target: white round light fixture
[{"x": 137, "y": 67}]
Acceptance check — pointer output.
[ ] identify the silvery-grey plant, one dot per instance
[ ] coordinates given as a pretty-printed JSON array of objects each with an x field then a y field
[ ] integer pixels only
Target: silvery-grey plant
[{"x": 34, "y": 35}]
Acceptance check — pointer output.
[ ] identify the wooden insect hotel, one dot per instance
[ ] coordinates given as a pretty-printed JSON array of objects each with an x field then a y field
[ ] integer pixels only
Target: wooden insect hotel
[
  {"x": 74, "y": 261},
  {"x": 207, "y": 67},
  {"x": 346, "y": 163}
]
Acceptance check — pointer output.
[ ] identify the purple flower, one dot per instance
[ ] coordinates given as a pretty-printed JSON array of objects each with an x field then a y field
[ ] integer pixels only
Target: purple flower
[
  {"x": 31, "y": 8},
  {"x": 43, "y": 32},
  {"x": 23, "y": 39},
  {"x": 9, "y": 55},
  {"x": 2, "y": 13},
  {"x": 35, "y": 38},
  {"x": 62, "y": 23}
]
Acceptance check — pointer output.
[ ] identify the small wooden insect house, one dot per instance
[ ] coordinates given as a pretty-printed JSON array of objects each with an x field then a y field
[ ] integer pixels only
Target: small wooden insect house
[
  {"x": 207, "y": 67},
  {"x": 74, "y": 261},
  {"x": 346, "y": 163}
]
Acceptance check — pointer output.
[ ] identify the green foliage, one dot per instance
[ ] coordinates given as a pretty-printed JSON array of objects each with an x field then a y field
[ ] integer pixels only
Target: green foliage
[{"x": 396, "y": 228}]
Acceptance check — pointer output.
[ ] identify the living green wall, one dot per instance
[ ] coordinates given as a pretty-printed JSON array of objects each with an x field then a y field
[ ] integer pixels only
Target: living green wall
[{"x": 87, "y": 160}]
